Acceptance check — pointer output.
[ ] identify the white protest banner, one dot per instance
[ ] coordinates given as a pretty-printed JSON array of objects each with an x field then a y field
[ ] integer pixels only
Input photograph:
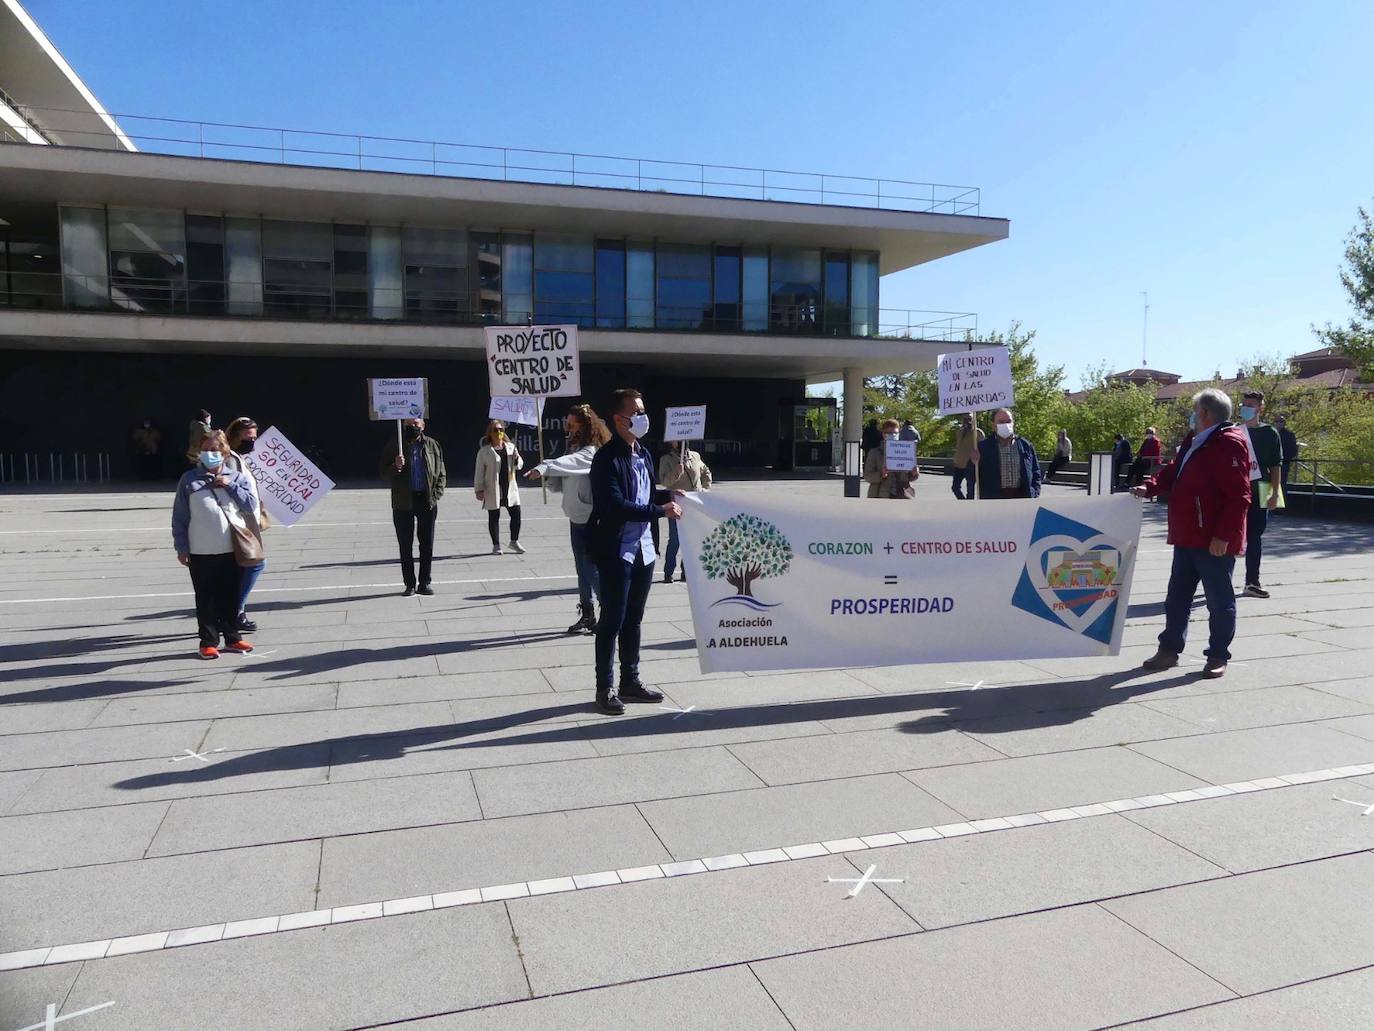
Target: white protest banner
[
  {"x": 899, "y": 455},
  {"x": 685, "y": 423},
  {"x": 533, "y": 361},
  {"x": 974, "y": 381},
  {"x": 524, "y": 410},
  {"x": 801, "y": 583},
  {"x": 289, "y": 484},
  {"x": 398, "y": 399}
]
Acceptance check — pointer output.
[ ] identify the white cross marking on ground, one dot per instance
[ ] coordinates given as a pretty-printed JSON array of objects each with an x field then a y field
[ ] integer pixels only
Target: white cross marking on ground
[
  {"x": 195, "y": 755},
  {"x": 1368, "y": 809},
  {"x": 961, "y": 683},
  {"x": 51, "y": 1019},
  {"x": 681, "y": 712},
  {"x": 867, "y": 878}
]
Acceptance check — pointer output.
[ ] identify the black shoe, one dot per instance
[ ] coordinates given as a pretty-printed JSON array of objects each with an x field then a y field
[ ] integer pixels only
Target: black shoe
[
  {"x": 586, "y": 621},
  {"x": 408, "y": 591},
  {"x": 610, "y": 704},
  {"x": 637, "y": 692},
  {"x": 668, "y": 577},
  {"x": 424, "y": 589},
  {"x": 246, "y": 625}
]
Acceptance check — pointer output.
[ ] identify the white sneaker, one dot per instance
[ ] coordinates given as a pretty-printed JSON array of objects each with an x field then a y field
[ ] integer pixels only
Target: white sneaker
[
  {"x": 517, "y": 547},
  {"x": 496, "y": 550}
]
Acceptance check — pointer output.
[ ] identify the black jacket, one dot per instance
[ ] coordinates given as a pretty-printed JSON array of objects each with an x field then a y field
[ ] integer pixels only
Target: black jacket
[{"x": 613, "y": 488}]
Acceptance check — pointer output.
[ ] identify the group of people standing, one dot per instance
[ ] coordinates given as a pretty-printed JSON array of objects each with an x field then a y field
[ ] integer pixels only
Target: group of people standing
[{"x": 1003, "y": 466}]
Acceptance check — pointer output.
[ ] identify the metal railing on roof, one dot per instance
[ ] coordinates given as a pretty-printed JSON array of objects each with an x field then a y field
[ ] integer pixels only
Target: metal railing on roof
[{"x": 275, "y": 145}]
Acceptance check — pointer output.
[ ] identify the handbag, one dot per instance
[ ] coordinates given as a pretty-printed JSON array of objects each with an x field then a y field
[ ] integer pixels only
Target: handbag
[{"x": 248, "y": 549}]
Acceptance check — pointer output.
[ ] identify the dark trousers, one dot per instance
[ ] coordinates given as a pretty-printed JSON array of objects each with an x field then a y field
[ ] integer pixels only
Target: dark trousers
[
  {"x": 1056, "y": 463},
  {"x": 624, "y": 591},
  {"x": 418, "y": 521},
  {"x": 670, "y": 555},
  {"x": 587, "y": 576},
  {"x": 1191, "y": 567},
  {"x": 1283, "y": 475},
  {"x": 963, "y": 476},
  {"x": 1256, "y": 521},
  {"x": 494, "y": 524},
  {"x": 216, "y": 580}
]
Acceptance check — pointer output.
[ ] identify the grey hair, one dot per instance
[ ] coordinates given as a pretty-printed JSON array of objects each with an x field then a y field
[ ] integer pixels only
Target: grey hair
[
  {"x": 1214, "y": 401},
  {"x": 1000, "y": 411}
]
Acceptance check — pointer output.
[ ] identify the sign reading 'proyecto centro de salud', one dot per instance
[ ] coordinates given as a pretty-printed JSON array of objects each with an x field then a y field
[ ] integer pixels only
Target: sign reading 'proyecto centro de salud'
[
  {"x": 289, "y": 484},
  {"x": 783, "y": 583},
  {"x": 533, "y": 361},
  {"x": 974, "y": 381}
]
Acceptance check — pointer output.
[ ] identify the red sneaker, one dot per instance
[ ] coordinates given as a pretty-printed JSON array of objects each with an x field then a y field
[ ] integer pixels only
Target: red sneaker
[
  {"x": 209, "y": 651},
  {"x": 242, "y": 647}
]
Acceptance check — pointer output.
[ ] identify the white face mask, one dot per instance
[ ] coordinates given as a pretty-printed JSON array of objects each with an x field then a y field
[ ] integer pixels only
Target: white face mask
[
  {"x": 1004, "y": 430},
  {"x": 892, "y": 435},
  {"x": 639, "y": 424}
]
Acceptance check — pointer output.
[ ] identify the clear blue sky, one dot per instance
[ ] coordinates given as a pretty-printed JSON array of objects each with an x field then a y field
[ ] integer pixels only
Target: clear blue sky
[{"x": 1212, "y": 154}]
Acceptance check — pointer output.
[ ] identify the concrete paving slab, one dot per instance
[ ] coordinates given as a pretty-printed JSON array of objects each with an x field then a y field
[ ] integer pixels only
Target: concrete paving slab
[
  {"x": 365, "y": 867},
  {"x": 26, "y": 994},
  {"x": 740, "y": 821},
  {"x": 1246, "y": 754},
  {"x": 1073, "y": 968},
  {"x": 736, "y": 915},
  {"x": 107, "y": 744},
  {"x": 46, "y": 716},
  {"x": 441, "y": 751},
  {"x": 210, "y": 705},
  {"x": 53, "y": 841},
  {"x": 580, "y": 783},
  {"x": 1267, "y": 929},
  {"x": 774, "y": 689},
  {"x": 400, "y": 690},
  {"x": 871, "y": 751},
  {"x": 1066, "y": 729},
  {"x": 1262, "y": 707},
  {"x": 1339, "y": 1003},
  {"x": 1029, "y": 784},
  {"x": 305, "y": 728},
  {"x": 148, "y": 895},
  {"x": 660, "y": 729},
  {"x": 727, "y": 998},
  {"x": 1268, "y": 828},
  {"x": 318, "y": 811},
  {"x": 14, "y": 784}
]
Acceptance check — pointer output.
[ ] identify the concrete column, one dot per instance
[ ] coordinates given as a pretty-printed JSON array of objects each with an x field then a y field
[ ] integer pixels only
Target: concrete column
[{"x": 853, "y": 404}]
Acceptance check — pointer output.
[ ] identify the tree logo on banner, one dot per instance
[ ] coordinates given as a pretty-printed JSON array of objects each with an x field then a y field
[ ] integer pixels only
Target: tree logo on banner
[
  {"x": 744, "y": 549},
  {"x": 1071, "y": 576}
]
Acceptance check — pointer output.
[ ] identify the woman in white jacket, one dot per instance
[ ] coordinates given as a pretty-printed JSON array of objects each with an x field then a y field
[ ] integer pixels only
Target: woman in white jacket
[
  {"x": 585, "y": 433},
  {"x": 494, "y": 482}
]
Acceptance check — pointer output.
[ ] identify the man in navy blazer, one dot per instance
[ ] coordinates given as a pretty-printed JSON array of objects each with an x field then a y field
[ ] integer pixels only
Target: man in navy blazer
[
  {"x": 625, "y": 504},
  {"x": 1007, "y": 464}
]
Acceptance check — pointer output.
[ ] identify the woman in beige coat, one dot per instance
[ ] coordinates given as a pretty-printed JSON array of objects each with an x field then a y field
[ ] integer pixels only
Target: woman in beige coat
[{"x": 494, "y": 482}]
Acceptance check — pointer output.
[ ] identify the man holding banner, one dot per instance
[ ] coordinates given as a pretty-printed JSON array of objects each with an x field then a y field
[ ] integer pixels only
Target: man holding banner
[{"x": 418, "y": 479}]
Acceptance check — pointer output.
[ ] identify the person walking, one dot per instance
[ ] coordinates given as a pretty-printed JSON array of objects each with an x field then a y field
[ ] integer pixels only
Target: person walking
[
  {"x": 883, "y": 482},
  {"x": 1008, "y": 466},
  {"x": 624, "y": 506},
  {"x": 680, "y": 469},
  {"x": 493, "y": 480},
  {"x": 1063, "y": 455},
  {"x": 1121, "y": 461},
  {"x": 967, "y": 438},
  {"x": 242, "y": 435},
  {"x": 1208, "y": 485},
  {"x": 147, "y": 441},
  {"x": 418, "y": 480},
  {"x": 1288, "y": 444},
  {"x": 210, "y": 500},
  {"x": 1266, "y": 474},
  {"x": 585, "y": 433},
  {"x": 1150, "y": 454}
]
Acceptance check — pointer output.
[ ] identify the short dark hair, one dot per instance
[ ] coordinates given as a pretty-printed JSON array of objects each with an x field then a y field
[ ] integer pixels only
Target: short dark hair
[
  {"x": 1258, "y": 395},
  {"x": 204, "y": 415},
  {"x": 619, "y": 399}
]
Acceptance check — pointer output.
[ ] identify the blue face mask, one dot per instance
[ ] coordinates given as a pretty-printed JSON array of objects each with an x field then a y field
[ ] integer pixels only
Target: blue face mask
[
  {"x": 1247, "y": 412},
  {"x": 1192, "y": 421},
  {"x": 211, "y": 459}
]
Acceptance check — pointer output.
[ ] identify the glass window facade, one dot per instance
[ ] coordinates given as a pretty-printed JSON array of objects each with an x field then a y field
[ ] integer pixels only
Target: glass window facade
[
  {"x": 755, "y": 307},
  {"x": 610, "y": 284},
  {"x": 385, "y": 286},
  {"x": 564, "y": 279},
  {"x": 297, "y": 269},
  {"x": 350, "y": 271},
  {"x": 684, "y": 286},
  {"x": 485, "y": 271},
  {"x": 725, "y": 274},
  {"x": 836, "y": 312},
  {"x": 517, "y": 278},
  {"x": 243, "y": 258},
  {"x": 639, "y": 284},
  {"x": 205, "y": 264},
  {"x": 85, "y": 258},
  {"x": 436, "y": 275},
  {"x": 794, "y": 290},
  {"x": 147, "y": 260},
  {"x": 863, "y": 312}
]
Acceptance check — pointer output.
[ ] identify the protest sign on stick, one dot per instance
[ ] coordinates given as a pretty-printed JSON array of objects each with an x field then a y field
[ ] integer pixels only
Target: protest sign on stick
[
  {"x": 289, "y": 484},
  {"x": 528, "y": 411},
  {"x": 534, "y": 362},
  {"x": 899, "y": 456},
  {"x": 973, "y": 381},
  {"x": 398, "y": 399}
]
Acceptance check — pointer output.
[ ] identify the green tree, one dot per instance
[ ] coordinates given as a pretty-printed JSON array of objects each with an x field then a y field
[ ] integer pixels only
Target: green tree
[
  {"x": 743, "y": 549},
  {"x": 1356, "y": 338},
  {"x": 1106, "y": 408}
]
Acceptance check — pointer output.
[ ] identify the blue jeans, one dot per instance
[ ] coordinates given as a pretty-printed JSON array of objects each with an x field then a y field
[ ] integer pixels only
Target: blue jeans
[
  {"x": 963, "y": 476},
  {"x": 248, "y": 579},
  {"x": 1191, "y": 567},
  {"x": 670, "y": 556},
  {"x": 587, "y": 579},
  {"x": 624, "y": 591}
]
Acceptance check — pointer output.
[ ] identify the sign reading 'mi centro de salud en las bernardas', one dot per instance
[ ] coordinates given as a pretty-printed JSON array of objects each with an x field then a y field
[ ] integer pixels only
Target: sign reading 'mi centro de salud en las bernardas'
[{"x": 974, "y": 381}]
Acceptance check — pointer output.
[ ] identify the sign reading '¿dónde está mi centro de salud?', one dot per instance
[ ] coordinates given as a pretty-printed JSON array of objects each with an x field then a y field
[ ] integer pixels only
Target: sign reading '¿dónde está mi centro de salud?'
[
  {"x": 398, "y": 399},
  {"x": 533, "y": 361}
]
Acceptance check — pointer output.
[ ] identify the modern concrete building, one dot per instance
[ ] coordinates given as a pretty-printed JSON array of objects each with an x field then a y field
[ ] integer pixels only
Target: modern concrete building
[{"x": 149, "y": 268}]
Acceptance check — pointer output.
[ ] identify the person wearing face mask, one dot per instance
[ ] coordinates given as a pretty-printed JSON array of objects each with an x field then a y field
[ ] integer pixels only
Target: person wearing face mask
[
  {"x": 1266, "y": 487},
  {"x": 1007, "y": 464},
  {"x": 966, "y": 440},
  {"x": 242, "y": 435},
  {"x": 208, "y": 499},
  {"x": 1208, "y": 486},
  {"x": 418, "y": 479},
  {"x": 883, "y": 482},
  {"x": 625, "y": 504},
  {"x": 493, "y": 480}
]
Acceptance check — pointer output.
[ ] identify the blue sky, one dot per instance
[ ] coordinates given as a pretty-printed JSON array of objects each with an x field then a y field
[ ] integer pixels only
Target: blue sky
[{"x": 1213, "y": 154}]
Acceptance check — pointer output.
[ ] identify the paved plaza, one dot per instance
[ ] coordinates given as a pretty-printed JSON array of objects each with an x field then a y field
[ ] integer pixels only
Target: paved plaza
[{"x": 404, "y": 810}]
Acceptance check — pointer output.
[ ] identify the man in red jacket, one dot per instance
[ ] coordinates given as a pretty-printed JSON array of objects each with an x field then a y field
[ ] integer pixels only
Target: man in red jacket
[{"x": 1208, "y": 485}]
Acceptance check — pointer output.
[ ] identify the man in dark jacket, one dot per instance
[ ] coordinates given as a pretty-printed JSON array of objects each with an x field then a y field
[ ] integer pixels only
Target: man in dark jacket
[
  {"x": 1288, "y": 445},
  {"x": 1208, "y": 484},
  {"x": 418, "y": 478},
  {"x": 1007, "y": 464},
  {"x": 625, "y": 506},
  {"x": 1266, "y": 477}
]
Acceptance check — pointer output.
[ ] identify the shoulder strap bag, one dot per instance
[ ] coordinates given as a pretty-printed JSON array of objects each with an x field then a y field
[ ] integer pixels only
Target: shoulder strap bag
[{"x": 248, "y": 549}]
